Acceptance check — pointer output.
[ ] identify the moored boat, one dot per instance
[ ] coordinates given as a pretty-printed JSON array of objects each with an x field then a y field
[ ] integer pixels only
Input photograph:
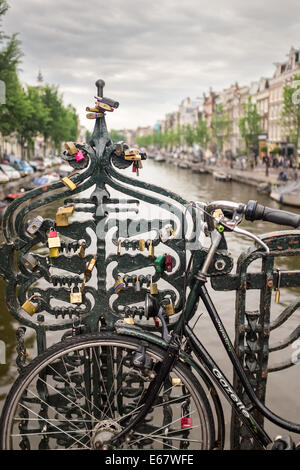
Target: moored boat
[
  {"x": 288, "y": 194},
  {"x": 221, "y": 176}
]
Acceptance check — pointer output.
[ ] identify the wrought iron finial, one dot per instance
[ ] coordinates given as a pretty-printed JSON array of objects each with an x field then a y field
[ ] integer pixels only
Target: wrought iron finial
[{"x": 100, "y": 84}]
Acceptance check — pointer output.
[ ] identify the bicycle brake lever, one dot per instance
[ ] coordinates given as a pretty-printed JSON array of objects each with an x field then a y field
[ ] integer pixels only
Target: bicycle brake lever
[{"x": 251, "y": 235}]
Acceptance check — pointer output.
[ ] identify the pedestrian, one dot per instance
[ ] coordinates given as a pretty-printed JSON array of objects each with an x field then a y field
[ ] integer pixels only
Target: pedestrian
[{"x": 266, "y": 161}]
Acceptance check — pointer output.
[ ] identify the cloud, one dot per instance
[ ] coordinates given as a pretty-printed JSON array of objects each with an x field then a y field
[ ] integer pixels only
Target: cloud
[{"x": 151, "y": 54}]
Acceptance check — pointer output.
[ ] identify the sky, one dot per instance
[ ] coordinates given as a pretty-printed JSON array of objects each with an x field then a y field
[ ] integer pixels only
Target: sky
[{"x": 151, "y": 54}]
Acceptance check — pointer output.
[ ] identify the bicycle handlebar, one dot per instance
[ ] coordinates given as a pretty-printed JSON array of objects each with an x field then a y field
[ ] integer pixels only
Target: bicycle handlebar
[{"x": 255, "y": 211}]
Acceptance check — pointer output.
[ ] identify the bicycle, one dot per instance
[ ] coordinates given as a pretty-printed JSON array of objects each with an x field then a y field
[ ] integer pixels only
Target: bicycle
[{"x": 135, "y": 390}]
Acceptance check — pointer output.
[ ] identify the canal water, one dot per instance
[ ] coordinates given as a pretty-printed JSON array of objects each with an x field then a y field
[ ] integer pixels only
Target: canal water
[{"x": 283, "y": 387}]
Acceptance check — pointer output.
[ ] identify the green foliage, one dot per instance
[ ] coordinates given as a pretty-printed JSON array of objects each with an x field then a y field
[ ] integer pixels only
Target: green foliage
[
  {"x": 249, "y": 125},
  {"x": 88, "y": 136},
  {"x": 116, "y": 136},
  {"x": 31, "y": 110},
  {"x": 202, "y": 136},
  {"x": 264, "y": 149},
  {"x": 291, "y": 113},
  {"x": 189, "y": 135},
  {"x": 220, "y": 127}
]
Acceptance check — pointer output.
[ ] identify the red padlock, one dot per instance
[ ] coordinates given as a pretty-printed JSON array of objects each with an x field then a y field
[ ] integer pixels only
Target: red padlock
[
  {"x": 186, "y": 423},
  {"x": 52, "y": 233},
  {"x": 168, "y": 263}
]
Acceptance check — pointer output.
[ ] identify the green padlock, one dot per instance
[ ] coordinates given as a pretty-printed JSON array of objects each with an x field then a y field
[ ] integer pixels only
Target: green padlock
[{"x": 160, "y": 263}]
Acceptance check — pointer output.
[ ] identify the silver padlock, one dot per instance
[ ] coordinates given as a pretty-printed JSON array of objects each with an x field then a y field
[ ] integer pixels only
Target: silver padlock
[
  {"x": 30, "y": 262},
  {"x": 34, "y": 225}
]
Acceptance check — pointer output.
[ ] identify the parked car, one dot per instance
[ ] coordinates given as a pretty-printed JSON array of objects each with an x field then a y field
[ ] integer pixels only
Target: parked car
[
  {"x": 56, "y": 160},
  {"x": 23, "y": 167},
  {"x": 4, "y": 178},
  {"x": 37, "y": 164},
  {"x": 44, "y": 180},
  {"x": 10, "y": 171},
  {"x": 48, "y": 162}
]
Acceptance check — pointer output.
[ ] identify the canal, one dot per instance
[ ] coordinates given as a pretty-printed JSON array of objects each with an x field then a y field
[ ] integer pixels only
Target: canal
[{"x": 283, "y": 387}]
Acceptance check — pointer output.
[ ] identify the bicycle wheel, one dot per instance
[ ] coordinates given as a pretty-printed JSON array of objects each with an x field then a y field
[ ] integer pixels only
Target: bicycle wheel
[{"x": 79, "y": 392}]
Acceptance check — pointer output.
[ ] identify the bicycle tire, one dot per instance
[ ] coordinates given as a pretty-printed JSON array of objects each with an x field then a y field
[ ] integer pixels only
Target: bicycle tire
[{"x": 42, "y": 395}]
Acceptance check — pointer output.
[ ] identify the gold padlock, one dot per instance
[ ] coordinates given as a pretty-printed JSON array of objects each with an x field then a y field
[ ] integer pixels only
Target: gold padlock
[
  {"x": 75, "y": 297},
  {"x": 169, "y": 309},
  {"x": 54, "y": 252},
  {"x": 28, "y": 306},
  {"x": 81, "y": 249},
  {"x": 119, "y": 247},
  {"x": 142, "y": 245},
  {"x": 62, "y": 216},
  {"x": 69, "y": 183},
  {"x": 153, "y": 288},
  {"x": 150, "y": 250},
  {"x": 176, "y": 381},
  {"x": 92, "y": 110},
  {"x": 118, "y": 285},
  {"x": 129, "y": 320},
  {"x": 90, "y": 267},
  {"x": 132, "y": 154},
  {"x": 94, "y": 115},
  {"x": 105, "y": 106},
  {"x": 71, "y": 148}
]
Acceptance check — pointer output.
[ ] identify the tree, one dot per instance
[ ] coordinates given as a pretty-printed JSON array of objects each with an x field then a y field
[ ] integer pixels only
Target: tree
[
  {"x": 220, "y": 127},
  {"x": 291, "y": 114},
  {"x": 202, "y": 136},
  {"x": 62, "y": 122},
  {"x": 36, "y": 118},
  {"x": 249, "y": 125},
  {"x": 189, "y": 135},
  {"x": 116, "y": 136}
]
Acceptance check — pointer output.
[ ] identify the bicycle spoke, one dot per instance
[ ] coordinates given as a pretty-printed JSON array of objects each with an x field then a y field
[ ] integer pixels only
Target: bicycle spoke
[{"x": 49, "y": 422}]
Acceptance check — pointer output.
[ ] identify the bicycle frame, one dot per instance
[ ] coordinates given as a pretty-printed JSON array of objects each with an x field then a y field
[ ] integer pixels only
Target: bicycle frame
[
  {"x": 218, "y": 377},
  {"x": 199, "y": 291}
]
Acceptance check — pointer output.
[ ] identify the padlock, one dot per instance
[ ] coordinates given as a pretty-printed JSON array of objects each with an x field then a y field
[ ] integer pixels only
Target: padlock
[
  {"x": 81, "y": 248},
  {"x": 53, "y": 243},
  {"x": 166, "y": 232},
  {"x": 83, "y": 284},
  {"x": 176, "y": 381},
  {"x": 119, "y": 247},
  {"x": 71, "y": 148},
  {"x": 62, "y": 215},
  {"x": 102, "y": 99},
  {"x": 79, "y": 156},
  {"x": 277, "y": 288},
  {"x": 129, "y": 320},
  {"x": 137, "y": 285},
  {"x": 34, "y": 225},
  {"x": 139, "y": 164},
  {"x": 90, "y": 267},
  {"x": 119, "y": 285},
  {"x": 134, "y": 168},
  {"x": 169, "y": 264},
  {"x": 159, "y": 263},
  {"x": 153, "y": 288},
  {"x": 30, "y": 262},
  {"x": 105, "y": 106},
  {"x": 141, "y": 245},
  {"x": 92, "y": 110},
  {"x": 132, "y": 154},
  {"x": 69, "y": 183},
  {"x": 169, "y": 309},
  {"x": 29, "y": 307},
  {"x": 75, "y": 297},
  {"x": 150, "y": 249},
  {"x": 94, "y": 115}
]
